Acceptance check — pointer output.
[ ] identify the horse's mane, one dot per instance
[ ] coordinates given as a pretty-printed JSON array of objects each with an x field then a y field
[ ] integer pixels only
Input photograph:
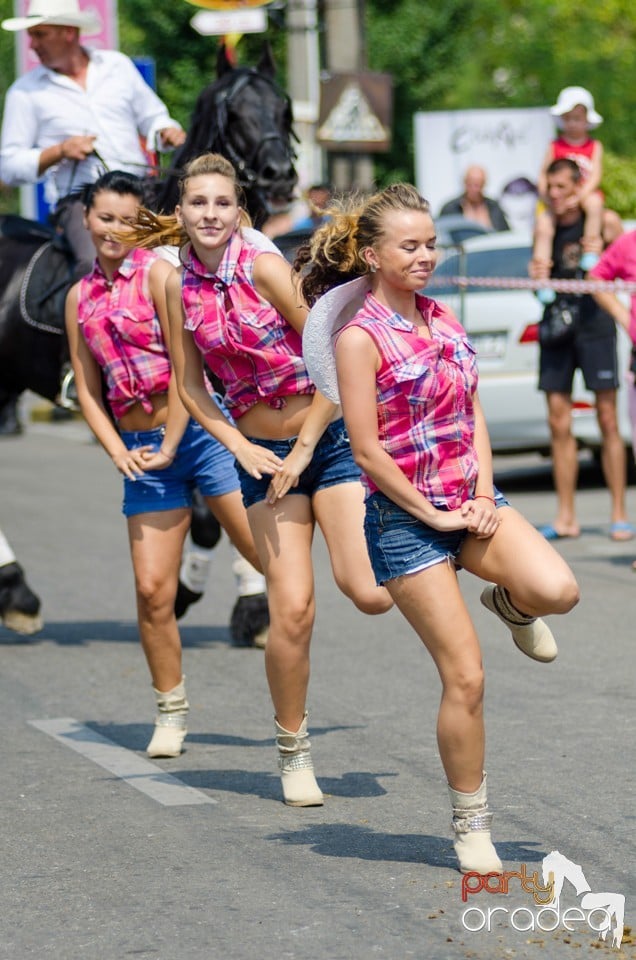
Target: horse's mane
[{"x": 204, "y": 126}]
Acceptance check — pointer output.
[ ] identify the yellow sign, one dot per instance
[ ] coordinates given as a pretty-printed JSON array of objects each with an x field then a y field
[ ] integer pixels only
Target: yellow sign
[{"x": 228, "y": 4}]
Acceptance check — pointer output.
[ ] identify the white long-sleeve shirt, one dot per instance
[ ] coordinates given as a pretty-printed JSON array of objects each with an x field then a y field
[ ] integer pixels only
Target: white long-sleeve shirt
[{"x": 43, "y": 108}]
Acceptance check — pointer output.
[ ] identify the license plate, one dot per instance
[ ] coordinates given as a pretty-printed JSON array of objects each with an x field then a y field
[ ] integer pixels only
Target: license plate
[{"x": 489, "y": 346}]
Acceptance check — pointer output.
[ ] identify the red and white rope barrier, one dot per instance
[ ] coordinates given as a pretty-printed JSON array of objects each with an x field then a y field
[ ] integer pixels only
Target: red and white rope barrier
[{"x": 525, "y": 283}]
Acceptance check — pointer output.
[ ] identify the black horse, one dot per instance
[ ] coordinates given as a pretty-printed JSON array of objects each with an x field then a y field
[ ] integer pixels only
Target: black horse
[
  {"x": 247, "y": 118},
  {"x": 242, "y": 115}
]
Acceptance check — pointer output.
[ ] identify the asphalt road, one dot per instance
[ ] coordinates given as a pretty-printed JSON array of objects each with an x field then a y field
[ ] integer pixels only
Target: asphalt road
[{"x": 105, "y": 857}]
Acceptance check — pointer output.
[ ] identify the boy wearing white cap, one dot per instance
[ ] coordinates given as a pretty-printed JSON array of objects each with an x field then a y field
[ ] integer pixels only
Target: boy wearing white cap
[{"x": 575, "y": 116}]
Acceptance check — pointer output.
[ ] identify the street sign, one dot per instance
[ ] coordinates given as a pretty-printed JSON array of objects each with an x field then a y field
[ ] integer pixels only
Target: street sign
[
  {"x": 211, "y": 23},
  {"x": 355, "y": 113}
]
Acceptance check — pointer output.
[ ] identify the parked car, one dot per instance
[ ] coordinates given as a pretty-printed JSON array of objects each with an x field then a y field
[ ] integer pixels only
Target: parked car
[{"x": 503, "y": 326}]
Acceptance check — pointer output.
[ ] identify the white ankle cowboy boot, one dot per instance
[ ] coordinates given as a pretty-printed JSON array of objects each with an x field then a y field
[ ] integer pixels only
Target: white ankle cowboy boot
[
  {"x": 531, "y": 634},
  {"x": 170, "y": 723},
  {"x": 296, "y": 768},
  {"x": 471, "y": 824}
]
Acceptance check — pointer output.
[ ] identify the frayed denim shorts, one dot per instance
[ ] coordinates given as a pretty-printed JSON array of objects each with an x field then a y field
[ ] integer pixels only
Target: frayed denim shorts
[
  {"x": 331, "y": 464},
  {"x": 201, "y": 462},
  {"x": 398, "y": 543}
]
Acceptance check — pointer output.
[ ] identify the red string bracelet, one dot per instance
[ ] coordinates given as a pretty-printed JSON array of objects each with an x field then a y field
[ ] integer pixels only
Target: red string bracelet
[{"x": 482, "y": 496}]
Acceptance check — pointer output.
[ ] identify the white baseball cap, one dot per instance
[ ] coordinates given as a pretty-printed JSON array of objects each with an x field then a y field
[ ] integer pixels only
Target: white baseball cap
[
  {"x": 56, "y": 13},
  {"x": 571, "y": 97}
]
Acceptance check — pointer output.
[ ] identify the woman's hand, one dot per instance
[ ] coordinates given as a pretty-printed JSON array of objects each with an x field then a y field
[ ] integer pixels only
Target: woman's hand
[
  {"x": 447, "y": 520},
  {"x": 257, "y": 460},
  {"x": 158, "y": 459},
  {"x": 482, "y": 516},
  {"x": 132, "y": 463},
  {"x": 293, "y": 465}
]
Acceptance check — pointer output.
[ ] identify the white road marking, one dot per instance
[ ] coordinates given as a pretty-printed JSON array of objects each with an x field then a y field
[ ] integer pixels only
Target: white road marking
[{"x": 136, "y": 771}]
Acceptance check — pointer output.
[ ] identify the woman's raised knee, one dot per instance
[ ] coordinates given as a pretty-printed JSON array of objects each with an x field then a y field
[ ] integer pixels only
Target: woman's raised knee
[
  {"x": 565, "y": 593},
  {"x": 368, "y": 598}
]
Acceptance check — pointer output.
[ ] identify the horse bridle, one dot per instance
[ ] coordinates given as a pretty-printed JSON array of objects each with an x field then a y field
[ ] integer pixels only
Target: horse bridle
[{"x": 247, "y": 171}]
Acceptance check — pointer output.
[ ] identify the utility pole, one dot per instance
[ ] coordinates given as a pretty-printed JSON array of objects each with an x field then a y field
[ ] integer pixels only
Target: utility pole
[
  {"x": 346, "y": 53},
  {"x": 304, "y": 85}
]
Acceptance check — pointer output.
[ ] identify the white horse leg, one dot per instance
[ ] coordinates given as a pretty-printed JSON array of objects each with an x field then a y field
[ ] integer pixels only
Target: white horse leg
[
  {"x": 196, "y": 561},
  {"x": 249, "y": 620}
]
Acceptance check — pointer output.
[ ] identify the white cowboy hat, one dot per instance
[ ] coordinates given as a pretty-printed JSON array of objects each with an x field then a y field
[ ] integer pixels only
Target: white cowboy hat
[
  {"x": 327, "y": 316},
  {"x": 57, "y": 13},
  {"x": 571, "y": 97}
]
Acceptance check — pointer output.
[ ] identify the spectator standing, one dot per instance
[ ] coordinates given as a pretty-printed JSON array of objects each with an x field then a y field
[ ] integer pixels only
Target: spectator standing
[
  {"x": 618, "y": 262},
  {"x": 591, "y": 347}
]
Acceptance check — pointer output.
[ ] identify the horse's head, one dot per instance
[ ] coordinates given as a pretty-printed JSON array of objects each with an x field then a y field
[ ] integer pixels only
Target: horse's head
[
  {"x": 254, "y": 126},
  {"x": 247, "y": 118}
]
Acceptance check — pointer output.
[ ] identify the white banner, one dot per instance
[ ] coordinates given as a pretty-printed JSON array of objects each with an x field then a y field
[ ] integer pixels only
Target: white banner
[{"x": 509, "y": 144}]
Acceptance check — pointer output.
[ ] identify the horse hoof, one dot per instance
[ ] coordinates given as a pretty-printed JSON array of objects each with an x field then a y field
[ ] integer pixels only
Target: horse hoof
[
  {"x": 23, "y": 623},
  {"x": 249, "y": 623},
  {"x": 19, "y": 605}
]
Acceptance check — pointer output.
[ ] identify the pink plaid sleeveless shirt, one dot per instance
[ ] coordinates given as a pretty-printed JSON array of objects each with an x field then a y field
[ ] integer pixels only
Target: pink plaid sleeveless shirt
[
  {"x": 251, "y": 348},
  {"x": 123, "y": 333},
  {"x": 425, "y": 394}
]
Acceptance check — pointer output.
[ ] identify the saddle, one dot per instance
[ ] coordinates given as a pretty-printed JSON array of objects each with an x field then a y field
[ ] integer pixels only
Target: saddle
[{"x": 48, "y": 274}]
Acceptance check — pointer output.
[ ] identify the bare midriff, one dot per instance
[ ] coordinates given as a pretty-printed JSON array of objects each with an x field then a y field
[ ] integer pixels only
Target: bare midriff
[
  {"x": 267, "y": 423},
  {"x": 139, "y": 419}
]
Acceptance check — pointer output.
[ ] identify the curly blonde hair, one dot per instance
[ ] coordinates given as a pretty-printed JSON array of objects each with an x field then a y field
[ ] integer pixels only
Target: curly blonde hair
[
  {"x": 335, "y": 252},
  {"x": 159, "y": 229}
]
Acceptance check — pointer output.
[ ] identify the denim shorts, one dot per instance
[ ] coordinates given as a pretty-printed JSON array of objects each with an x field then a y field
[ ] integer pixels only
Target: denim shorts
[
  {"x": 332, "y": 463},
  {"x": 201, "y": 462},
  {"x": 398, "y": 543}
]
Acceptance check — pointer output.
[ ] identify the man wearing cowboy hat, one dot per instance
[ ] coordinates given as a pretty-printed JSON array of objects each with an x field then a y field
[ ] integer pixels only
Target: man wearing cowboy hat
[{"x": 79, "y": 111}]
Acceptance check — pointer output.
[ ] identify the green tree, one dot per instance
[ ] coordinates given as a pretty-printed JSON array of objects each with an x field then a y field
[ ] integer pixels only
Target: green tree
[
  {"x": 422, "y": 45},
  {"x": 185, "y": 60}
]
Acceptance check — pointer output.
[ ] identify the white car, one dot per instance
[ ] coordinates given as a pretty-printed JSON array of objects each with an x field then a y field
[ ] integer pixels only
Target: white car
[{"x": 502, "y": 325}]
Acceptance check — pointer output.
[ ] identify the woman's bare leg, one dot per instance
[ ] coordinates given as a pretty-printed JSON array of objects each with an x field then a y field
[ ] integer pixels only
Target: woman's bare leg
[
  {"x": 231, "y": 514},
  {"x": 517, "y": 557},
  {"x": 156, "y": 542},
  {"x": 283, "y": 535},
  {"x": 339, "y": 511},
  {"x": 433, "y": 605}
]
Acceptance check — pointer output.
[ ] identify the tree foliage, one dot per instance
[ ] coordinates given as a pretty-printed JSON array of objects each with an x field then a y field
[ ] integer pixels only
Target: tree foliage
[{"x": 509, "y": 53}]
